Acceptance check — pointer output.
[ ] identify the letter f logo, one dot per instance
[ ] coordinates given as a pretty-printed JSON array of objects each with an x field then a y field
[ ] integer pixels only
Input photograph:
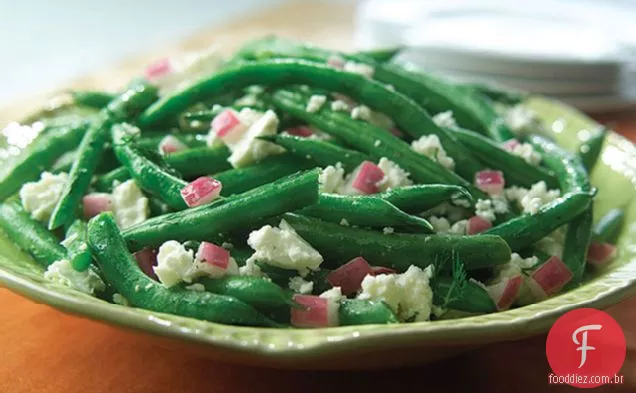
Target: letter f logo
[{"x": 584, "y": 347}]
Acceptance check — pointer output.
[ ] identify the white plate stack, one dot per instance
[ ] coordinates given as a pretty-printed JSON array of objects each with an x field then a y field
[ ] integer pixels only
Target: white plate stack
[{"x": 577, "y": 51}]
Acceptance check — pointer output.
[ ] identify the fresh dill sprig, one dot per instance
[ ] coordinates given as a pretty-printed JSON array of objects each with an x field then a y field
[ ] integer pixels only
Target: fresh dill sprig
[{"x": 458, "y": 285}]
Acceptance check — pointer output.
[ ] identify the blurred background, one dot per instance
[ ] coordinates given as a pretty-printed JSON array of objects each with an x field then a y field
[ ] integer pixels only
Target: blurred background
[{"x": 577, "y": 50}]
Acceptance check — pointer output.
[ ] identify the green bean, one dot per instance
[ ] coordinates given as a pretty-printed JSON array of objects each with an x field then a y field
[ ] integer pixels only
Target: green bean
[
  {"x": 121, "y": 271},
  {"x": 151, "y": 140},
  {"x": 419, "y": 198},
  {"x": 238, "y": 180},
  {"x": 434, "y": 94},
  {"x": 321, "y": 152},
  {"x": 65, "y": 162},
  {"x": 76, "y": 246},
  {"x": 523, "y": 231},
  {"x": 474, "y": 297},
  {"x": 338, "y": 244},
  {"x": 590, "y": 150},
  {"x": 92, "y": 99},
  {"x": 504, "y": 96},
  {"x": 91, "y": 149},
  {"x": 382, "y": 55},
  {"x": 37, "y": 157},
  {"x": 408, "y": 115},
  {"x": 609, "y": 226},
  {"x": 29, "y": 235},
  {"x": 148, "y": 175},
  {"x": 572, "y": 178},
  {"x": 366, "y": 211},
  {"x": 374, "y": 141},
  {"x": 255, "y": 291},
  {"x": 199, "y": 223},
  {"x": 364, "y": 312},
  {"x": 516, "y": 170}
]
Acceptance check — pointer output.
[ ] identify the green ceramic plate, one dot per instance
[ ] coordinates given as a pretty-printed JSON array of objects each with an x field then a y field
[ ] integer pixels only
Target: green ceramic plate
[{"x": 369, "y": 346}]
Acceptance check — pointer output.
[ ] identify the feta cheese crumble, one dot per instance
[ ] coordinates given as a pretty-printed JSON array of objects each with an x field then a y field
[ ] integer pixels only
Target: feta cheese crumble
[
  {"x": 514, "y": 267},
  {"x": 334, "y": 294},
  {"x": 315, "y": 103},
  {"x": 527, "y": 152},
  {"x": 339, "y": 106},
  {"x": 431, "y": 147},
  {"x": 533, "y": 199},
  {"x": 394, "y": 176},
  {"x": 408, "y": 294},
  {"x": 130, "y": 206},
  {"x": 359, "y": 68},
  {"x": 62, "y": 272},
  {"x": 196, "y": 287},
  {"x": 361, "y": 112},
  {"x": 299, "y": 285},
  {"x": 440, "y": 224},
  {"x": 522, "y": 120},
  {"x": 484, "y": 208},
  {"x": 445, "y": 119},
  {"x": 249, "y": 149},
  {"x": 331, "y": 179},
  {"x": 388, "y": 230},
  {"x": 251, "y": 269},
  {"x": 284, "y": 248},
  {"x": 174, "y": 264},
  {"x": 40, "y": 198}
]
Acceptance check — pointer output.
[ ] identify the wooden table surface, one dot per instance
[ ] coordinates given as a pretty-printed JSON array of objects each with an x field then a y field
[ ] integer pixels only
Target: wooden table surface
[{"x": 44, "y": 350}]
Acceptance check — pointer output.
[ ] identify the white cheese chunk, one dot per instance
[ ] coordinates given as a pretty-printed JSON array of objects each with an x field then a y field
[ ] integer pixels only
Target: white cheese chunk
[
  {"x": 532, "y": 200},
  {"x": 331, "y": 179},
  {"x": 62, "y": 272},
  {"x": 130, "y": 206},
  {"x": 359, "y": 68},
  {"x": 361, "y": 112},
  {"x": 174, "y": 264},
  {"x": 299, "y": 285},
  {"x": 408, "y": 294},
  {"x": 334, "y": 294},
  {"x": 527, "y": 152},
  {"x": 284, "y": 248},
  {"x": 40, "y": 198},
  {"x": 484, "y": 208},
  {"x": 431, "y": 147},
  {"x": 195, "y": 287},
  {"x": 522, "y": 120},
  {"x": 249, "y": 149},
  {"x": 339, "y": 106},
  {"x": 394, "y": 176},
  {"x": 315, "y": 103},
  {"x": 445, "y": 119},
  {"x": 251, "y": 269}
]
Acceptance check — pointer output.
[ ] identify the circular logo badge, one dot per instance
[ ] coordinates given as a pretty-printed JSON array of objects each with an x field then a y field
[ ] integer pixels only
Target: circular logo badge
[{"x": 585, "y": 348}]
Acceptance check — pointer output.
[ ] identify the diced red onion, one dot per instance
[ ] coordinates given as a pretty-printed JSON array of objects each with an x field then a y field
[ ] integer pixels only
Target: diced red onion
[
  {"x": 158, "y": 69},
  {"x": 96, "y": 203},
  {"x": 600, "y": 254},
  {"x": 302, "y": 131},
  {"x": 477, "y": 224},
  {"x": 314, "y": 314},
  {"x": 170, "y": 144},
  {"x": 350, "y": 275},
  {"x": 510, "y": 144},
  {"x": 377, "y": 270},
  {"x": 147, "y": 259},
  {"x": 505, "y": 293},
  {"x": 201, "y": 191},
  {"x": 228, "y": 126},
  {"x": 491, "y": 182},
  {"x": 366, "y": 177},
  {"x": 213, "y": 255},
  {"x": 550, "y": 277}
]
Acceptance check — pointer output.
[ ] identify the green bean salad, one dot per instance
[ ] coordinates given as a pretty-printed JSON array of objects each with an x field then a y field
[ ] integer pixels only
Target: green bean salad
[{"x": 296, "y": 186}]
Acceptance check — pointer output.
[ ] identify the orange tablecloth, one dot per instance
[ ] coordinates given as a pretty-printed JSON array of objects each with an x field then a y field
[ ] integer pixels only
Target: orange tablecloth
[{"x": 43, "y": 350}]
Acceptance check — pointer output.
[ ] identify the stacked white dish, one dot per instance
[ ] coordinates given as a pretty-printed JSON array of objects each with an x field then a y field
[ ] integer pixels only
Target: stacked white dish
[{"x": 578, "y": 52}]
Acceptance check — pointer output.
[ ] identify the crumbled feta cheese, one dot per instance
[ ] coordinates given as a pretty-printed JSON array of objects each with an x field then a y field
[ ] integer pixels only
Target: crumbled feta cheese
[
  {"x": 284, "y": 248},
  {"x": 196, "y": 287},
  {"x": 344, "y": 222},
  {"x": 331, "y": 179},
  {"x": 315, "y": 103},
  {"x": 201, "y": 268},
  {"x": 454, "y": 213},
  {"x": 445, "y": 119},
  {"x": 431, "y": 147},
  {"x": 61, "y": 272},
  {"x": 527, "y": 152},
  {"x": 361, "y": 112},
  {"x": 339, "y": 106},
  {"x": 460, "y": 200},
  {"x": 251, "y": 269},
  {"x": 438, "y": 311},
  {"x": 129, "y": 204},
  {"x": 119, "y": 299},
  {"x": 388, "y": 230},
  {"x": 394, "y": 176},
  {"x": 359, "y": 68},
  {"x": 299, "y": 285},
  {"x": 522, "y": 120},
  {"x": 485, "y": 210},
  {"x": 499, "y": 204},
  {"x": 40, "y": 198},
  {"x": 440, "y": 224},
  {"x": 550, "y": 245},
  {"x": 532, "y": 200},
  {"x": 514, "y": 267},
  {"x": 174, "y": 264},
  {"x": 334, "y": 294},
  {"x": 459, "y": 228},
  {"x": 249, "y": 149},
  {"x": 408, "y": 294},
  {"x": 247, "y": 100}
]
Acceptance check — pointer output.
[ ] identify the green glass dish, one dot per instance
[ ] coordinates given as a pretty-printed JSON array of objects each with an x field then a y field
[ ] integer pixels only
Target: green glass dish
[{"x": 362, "y": 347}]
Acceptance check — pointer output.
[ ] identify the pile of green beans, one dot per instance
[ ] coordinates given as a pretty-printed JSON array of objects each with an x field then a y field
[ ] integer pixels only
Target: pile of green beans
[{"x": 115, "y": 137}]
